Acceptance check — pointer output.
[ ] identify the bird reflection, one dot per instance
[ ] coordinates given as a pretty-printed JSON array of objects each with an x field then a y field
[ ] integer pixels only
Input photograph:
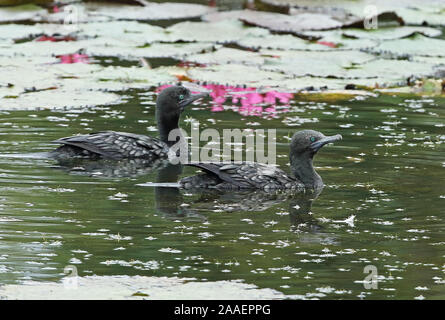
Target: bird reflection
[
  {"x": 169, "y": 200},
  {"x": 171, "y": 203},
  {"x": 300, "y": 210},
  {"x": 303, "y": 220},
  {"x": 109, "y": 168}
]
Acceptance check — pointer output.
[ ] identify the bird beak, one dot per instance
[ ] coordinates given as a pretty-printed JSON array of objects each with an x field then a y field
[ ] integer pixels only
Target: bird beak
[
  {"x": 192, "y": 98},
  {"x": 315, "y": 146}
]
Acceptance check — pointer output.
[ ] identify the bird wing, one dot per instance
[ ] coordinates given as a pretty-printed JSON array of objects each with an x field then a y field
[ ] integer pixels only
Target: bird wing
[
  {"x": 246, "y": 174},
  {"x": 118, "y": 145}
]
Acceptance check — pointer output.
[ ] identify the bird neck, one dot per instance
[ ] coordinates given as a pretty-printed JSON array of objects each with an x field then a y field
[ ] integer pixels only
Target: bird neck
[
  {"x": 303, "y": 170},
  {"x": 165, "y": 125}
]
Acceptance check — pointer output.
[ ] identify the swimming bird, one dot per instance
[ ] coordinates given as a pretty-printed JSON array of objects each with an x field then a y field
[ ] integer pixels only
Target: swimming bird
[
  {"x": 119, "y": 145},
  {"x": 251, "y": 175}
]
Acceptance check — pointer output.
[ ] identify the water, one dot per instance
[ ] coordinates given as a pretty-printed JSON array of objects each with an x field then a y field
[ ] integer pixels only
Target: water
[{"x": 382, "y": 204}]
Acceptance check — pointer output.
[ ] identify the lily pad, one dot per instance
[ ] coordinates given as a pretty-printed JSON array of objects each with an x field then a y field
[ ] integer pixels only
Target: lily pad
[
  {"x": 228, "y": 55},
  {"x": 18, "y": 31},
  {"x": 124, "y": 287},
  {"x": 20, "y": 13},
  {"x": 432, "y": 60},
  {"x": 422, "y": 16},
  {"x": 416, "y": 45},
  {"x": 57, "y": 99},
  {"x": 151, "y": 11},
  {"x": 219, "y": 32},
  {"x": 290, "y": 24},
  {"x": 390, "y": 33},
  {"x": 290, "y": 42},
  {"x": 232, "y": 74},
  {"x": 137, "y": 75},
  {"x": 112, "y": 47},
  {"x": 310, "y": 84},
  {"x": 48, "y": 48},
  {"x": 294, "y": 24},
  {"x": 282, "y": 42},
  {"x": 411, "y": 11},
  {"x": 71, "y": 85},
  {"x": 155, "y": 50},
  {"x": 225, "y": 15},
  {"x": 133, "y": 31},
  {"x": 393, "y": 71},
  {"x": 111, "y": 78},
  {"x": 321, "y": 64}
]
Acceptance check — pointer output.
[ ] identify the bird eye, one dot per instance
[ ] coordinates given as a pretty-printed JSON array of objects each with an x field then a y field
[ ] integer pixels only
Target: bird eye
[
  {"x": 181, "y": 97},
  {"x": 312, "y": 139}
]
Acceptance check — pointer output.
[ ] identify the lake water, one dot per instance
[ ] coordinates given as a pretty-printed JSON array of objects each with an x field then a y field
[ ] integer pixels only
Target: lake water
[{"x": 382, "y": 209}]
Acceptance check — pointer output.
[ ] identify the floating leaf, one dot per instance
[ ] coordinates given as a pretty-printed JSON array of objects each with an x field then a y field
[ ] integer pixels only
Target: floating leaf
[
  {"x": 415, "y": 45},
  {"x": 290, "y": 42},
  {"x": 341, "y": 42},
  {"x": 151, "y": 11},
  {"x": 422, "y": 16},
  {"x": 75, "y": 83},
  {"x": 322, "y": 64},
  {"x": 124, "y": 287},
  {"x": 228, "y": 55},
  {"x": 290, "y": 24},
  {"x": 111, "y": 47},
  {"x": 155, "y": 50},
  {"x": 57, "y": 99},
  {"x": 282, "y": 42},
  {"x": 219, "y": 32},
  {"x": 18, "y": 31},
  {"x": 411, "y": 11},
  {"x": 132, "y": 31},
  {"x": 390, "y": 33},
  {"x": 234, "y": 75},
  {"x": 148, "y": 77},
  {"x": 294, "y": 24},
  {"x": 20, "y": 13},
  {"x": 392, "y": 70}
]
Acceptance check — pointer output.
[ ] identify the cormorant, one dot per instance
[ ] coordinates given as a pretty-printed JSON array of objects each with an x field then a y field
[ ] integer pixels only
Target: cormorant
[
  {"x": 251, "y": 175},
  {"x": 119, "y": 145}
]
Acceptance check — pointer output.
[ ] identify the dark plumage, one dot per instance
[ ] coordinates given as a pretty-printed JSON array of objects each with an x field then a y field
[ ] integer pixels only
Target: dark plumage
[
  {"x": 118, "y": 145},
  {"x": 250, "y": 175}
]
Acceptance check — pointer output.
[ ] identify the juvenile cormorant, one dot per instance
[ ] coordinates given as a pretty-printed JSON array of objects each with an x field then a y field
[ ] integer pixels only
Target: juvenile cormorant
[
  {"x": 251, "y": 175},
  {"x": 119, "y": 145}
]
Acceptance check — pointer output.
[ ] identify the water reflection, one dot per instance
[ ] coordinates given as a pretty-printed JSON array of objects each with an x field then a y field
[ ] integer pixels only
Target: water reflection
[
  {"x": 108, "y": 168},
  {"x": 300, "y": 211},
  {"x": 305, "y": 222},
  {"x": 169, "y": 200}
]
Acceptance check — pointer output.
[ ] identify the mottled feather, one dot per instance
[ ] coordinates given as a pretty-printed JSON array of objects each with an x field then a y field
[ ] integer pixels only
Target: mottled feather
[
  {"x": 115, "y": 145},
  {"x": 242, "y": 175}
]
